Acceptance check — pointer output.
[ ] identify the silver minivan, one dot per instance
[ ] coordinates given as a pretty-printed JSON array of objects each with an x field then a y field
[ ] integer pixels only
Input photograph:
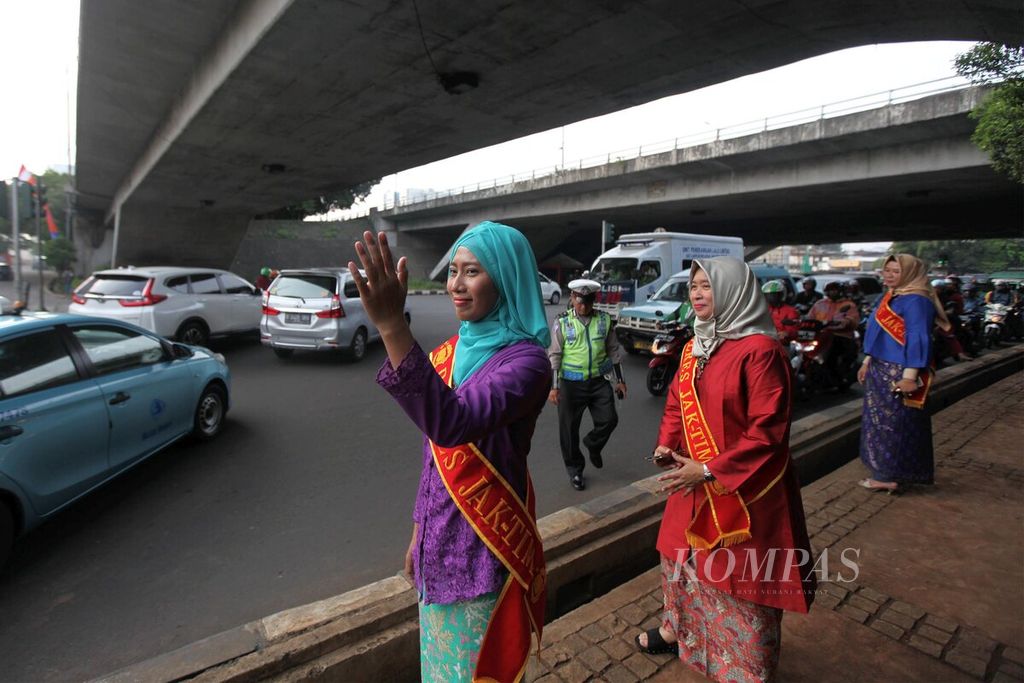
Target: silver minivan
[{"x": 316, "y": 309}]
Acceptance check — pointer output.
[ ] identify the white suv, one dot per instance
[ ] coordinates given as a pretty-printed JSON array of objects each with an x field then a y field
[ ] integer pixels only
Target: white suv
[
  {"x": 316, "y": 309},
  {"x": 187, "y": 304}
]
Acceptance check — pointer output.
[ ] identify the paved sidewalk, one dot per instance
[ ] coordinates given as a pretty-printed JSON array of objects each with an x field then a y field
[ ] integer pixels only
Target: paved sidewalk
[{"x": 940, "y": 590}]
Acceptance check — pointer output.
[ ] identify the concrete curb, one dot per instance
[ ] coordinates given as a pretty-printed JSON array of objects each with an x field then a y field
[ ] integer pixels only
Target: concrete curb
[{"x": 371, "y": 633}]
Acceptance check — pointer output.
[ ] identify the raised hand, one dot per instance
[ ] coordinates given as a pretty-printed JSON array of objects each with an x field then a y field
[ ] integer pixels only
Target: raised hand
[
  {"x": 383, "y": 293},
  {"x": 384, "y": 289}
]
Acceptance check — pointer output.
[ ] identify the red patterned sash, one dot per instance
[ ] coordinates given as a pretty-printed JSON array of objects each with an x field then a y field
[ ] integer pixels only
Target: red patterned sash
[
  {"x": 509, "y": 529},
  {"x": 894, "y": 325}
]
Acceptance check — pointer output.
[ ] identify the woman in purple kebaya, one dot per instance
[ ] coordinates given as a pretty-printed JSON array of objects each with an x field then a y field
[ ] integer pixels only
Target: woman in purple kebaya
[{"x": 475, "y": 555}]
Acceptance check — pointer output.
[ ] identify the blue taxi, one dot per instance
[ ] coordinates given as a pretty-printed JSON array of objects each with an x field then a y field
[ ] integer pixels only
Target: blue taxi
[{"x": 83, "y": 399}]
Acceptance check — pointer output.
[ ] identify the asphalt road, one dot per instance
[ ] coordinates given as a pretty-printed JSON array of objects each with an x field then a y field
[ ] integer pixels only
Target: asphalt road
[{"x": 307, "y": 493}]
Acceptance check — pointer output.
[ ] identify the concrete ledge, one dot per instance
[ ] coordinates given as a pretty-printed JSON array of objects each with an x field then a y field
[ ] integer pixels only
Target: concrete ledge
[{"x": 371, "y": 633}]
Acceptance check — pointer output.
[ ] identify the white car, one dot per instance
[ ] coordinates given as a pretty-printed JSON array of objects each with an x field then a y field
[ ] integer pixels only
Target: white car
[
  {"x": 187, "y": 304},
  {"x": 549, "y": 289},
  {"x": 316, "y": 309}
]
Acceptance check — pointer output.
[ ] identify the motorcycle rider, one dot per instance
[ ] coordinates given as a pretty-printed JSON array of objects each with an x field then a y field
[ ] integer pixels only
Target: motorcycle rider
[
  {"x": 1002, "y": 294},
  {"x": 840, "y": 314},
  {"x": 809, "y": 296},
  {"x": 774, "y": 294},
  {"x": 972, "y": 301},
  {"x": 953, "y": 305}
]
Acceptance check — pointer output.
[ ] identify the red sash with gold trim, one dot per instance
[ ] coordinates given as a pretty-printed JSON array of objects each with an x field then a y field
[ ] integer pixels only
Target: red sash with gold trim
[
  {"x": 509, "y": 529},
  {"x": 722, "y": 517},
  {"x": 894, "y": 325}
]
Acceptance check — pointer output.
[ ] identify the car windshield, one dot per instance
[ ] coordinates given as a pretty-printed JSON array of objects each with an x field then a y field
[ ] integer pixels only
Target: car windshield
[
  {"x": 115, "y": 285},
  {"x": 615, "y": 269},
  {"x": 673, "y": 290},
  {"x": 304, "y": 286}
]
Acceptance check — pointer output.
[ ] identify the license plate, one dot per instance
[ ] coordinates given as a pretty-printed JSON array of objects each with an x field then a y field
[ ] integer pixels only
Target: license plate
[
  {"x": 802, "y": 334},
  {"x": 298, "y": 318},
  {"x": 642, "y": 345}
]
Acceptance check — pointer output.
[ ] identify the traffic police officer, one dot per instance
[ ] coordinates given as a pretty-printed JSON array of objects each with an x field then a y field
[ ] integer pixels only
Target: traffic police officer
[{"x": 585, "y": 358}]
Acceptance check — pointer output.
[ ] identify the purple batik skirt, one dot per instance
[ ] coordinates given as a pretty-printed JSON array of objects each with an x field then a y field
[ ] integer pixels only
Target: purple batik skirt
[{"x": 895, "y": 439}]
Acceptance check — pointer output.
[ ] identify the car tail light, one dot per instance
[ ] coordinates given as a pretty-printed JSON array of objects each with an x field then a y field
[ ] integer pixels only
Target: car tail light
[
  {"x": 148, "y": 297},
  {"x": 77, "y": 299},
  {"x": 267, "y": 308},
  {"x": 335, "y": 311}
]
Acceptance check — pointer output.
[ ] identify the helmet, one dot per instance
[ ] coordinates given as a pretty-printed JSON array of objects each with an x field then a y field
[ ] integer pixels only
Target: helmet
[
  {"x": 834, "y": 290},
  {"x": 773, "y": 287},
  {"x": 265, "y": 271},
  {"x": 809, "y": 281},
  {"x": 939, "y": 282}
]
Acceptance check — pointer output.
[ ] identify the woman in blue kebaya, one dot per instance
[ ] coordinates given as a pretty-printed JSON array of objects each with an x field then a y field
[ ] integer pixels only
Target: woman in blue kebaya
[{"x": 896, "y": 431}]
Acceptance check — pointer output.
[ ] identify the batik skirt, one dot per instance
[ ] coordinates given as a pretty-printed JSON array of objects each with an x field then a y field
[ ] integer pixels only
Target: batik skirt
[
  {"x": 450, "y": 638},
  {"x": 895, "y": 439},
  {"x": 723, "y": 637}
]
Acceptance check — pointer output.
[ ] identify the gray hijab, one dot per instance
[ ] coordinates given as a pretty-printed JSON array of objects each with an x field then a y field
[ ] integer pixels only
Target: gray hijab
[{"x": 740, "y": 309}]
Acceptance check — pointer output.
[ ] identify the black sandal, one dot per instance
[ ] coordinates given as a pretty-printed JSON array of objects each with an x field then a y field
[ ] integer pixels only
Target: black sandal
[{"x": 656, "y": 645}]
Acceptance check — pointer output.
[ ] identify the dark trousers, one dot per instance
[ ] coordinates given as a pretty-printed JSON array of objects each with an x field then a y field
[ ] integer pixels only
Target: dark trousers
[{"x": 575, "y": 397}]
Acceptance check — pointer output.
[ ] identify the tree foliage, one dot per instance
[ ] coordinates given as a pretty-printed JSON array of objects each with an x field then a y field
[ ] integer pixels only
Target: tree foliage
[
  {"x": 967, "y": 256},
  {"x": 59, "y": 253},
  {"x": 1000, "y": 117},
  {"x": 339, "y": 198}
]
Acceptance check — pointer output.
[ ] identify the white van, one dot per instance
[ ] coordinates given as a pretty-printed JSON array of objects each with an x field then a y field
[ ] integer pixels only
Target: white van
[{"x": 642, "y": 262}]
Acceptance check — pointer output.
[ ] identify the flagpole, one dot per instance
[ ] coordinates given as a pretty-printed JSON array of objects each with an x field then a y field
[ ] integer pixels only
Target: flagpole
[
  {"x": 39, "y": 246},
  {"x": 16, "y": 238}
]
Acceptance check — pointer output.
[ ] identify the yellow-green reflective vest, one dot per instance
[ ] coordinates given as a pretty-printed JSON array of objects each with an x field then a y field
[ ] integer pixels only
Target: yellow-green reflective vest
[{"x": 583, "y": 348}]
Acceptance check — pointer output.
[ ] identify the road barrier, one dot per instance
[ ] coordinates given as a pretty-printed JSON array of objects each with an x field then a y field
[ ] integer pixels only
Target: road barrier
[{"x": 372, "y": 633}]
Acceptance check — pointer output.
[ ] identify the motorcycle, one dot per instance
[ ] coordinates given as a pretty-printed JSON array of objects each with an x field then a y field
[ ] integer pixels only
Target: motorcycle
[
  {"x": 667, "y": 350},
  {"x": 810, "y": 356},
  {"x": 995, "y": 324}
]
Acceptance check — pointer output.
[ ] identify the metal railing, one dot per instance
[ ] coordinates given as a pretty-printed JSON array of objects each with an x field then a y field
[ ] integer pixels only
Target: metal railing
[{"x": 852, "y": 105}]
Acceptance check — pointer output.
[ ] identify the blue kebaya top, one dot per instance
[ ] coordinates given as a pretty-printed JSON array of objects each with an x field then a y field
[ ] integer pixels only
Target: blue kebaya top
[{"x": 918, "y": 313}]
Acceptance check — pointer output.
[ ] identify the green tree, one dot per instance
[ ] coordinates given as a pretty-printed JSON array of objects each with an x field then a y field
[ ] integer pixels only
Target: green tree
[
  {"x": 338, "y": 198},
  {"x": 967, "y": 256},
  {"x": 1000, "y": 116},
  {"x": 59, "y": 253}
]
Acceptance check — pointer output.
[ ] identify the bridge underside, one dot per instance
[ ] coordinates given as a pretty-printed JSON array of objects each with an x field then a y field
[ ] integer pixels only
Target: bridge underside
[{"x": 243, "y": 107}]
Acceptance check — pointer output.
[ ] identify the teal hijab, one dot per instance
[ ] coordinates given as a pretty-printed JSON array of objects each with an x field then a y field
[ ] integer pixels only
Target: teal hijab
[{"x": 518, "y": 315}]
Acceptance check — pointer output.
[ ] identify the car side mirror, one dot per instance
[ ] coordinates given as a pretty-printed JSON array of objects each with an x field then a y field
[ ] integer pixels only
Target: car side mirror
[{"x": 182, "y": 351}]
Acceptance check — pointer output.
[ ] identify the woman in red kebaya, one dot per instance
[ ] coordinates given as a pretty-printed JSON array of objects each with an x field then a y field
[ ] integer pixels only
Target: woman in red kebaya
[{"x": 733, "y": 540}]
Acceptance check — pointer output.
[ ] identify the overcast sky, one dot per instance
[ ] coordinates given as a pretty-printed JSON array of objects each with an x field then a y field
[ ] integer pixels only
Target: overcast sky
[{"x": 39, "y": 39}]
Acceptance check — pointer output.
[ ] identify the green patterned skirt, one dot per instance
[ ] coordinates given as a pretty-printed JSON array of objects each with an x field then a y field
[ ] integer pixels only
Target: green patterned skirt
[{"x": 450, "y": 638}]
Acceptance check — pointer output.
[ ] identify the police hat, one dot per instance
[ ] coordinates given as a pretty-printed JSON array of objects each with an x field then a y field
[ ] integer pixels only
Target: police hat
[{"x": 584, "y": 286}]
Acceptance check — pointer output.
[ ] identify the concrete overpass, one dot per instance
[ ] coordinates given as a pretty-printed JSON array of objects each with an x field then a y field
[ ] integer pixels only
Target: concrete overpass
[
  {"x": 902, "y": 171},
  {"x": 193, "y": 116}
]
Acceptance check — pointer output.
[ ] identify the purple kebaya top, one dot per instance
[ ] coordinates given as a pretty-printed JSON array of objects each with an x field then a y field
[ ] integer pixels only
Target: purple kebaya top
[{"x": 496, "y": 408}]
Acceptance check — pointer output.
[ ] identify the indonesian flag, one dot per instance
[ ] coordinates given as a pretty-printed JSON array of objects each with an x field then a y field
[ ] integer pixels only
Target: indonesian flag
[
  {"x": 25, "y": 176},
  {"x": 51, "y": 224}
]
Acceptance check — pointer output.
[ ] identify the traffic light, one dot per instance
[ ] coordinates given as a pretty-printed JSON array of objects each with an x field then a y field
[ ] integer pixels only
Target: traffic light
[
  {"x": 41, "y": 191},
  {"x": 608, "y": 232},
  {"x": 5, "y": 200}
]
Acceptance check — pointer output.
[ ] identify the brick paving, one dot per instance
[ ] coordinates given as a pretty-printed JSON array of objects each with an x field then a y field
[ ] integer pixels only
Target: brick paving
[{"x": 940, "y": 591}]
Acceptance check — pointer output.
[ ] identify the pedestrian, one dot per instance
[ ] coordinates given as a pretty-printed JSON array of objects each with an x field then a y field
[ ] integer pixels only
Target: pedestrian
[
  {"x": 896, "y": 431},
  {"x": 586, "y": 359},
  {"x": 733, "y": 540},
  {"x": 263, "y": 279},
  {"x": 476, "y": 398}
]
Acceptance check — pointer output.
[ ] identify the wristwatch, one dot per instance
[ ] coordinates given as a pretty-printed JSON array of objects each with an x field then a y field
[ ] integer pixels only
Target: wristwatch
[{"x": 707, "y": 474}]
